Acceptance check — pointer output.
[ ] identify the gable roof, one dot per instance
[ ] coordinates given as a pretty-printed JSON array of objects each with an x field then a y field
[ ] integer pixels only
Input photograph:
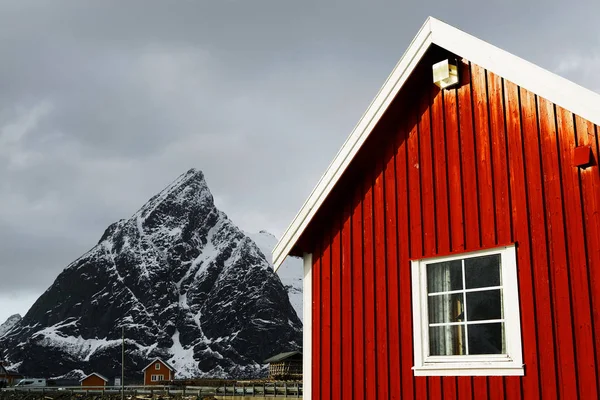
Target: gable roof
[
  {"x": 96, "y": 374},
  {"x": 10, "y": 374},
  {"x": 282, "y": 356},
  {"x": 5, "y": 372},
  {"x": 159, "y": 360},
  {"x": 560, "y": 91}
]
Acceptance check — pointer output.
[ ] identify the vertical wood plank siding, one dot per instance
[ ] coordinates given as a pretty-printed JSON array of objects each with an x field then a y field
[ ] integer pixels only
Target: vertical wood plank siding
[{"x": 485, "y": 164}]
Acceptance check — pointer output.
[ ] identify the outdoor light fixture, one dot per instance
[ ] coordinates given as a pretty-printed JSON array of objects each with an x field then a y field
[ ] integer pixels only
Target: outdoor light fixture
[{"x": 445, "y": 74}]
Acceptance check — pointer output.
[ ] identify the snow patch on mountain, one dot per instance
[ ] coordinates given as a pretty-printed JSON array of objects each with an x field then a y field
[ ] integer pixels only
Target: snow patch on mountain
[
  {"x": 75, "y": 374},
  {"x": 78, "y": 346},
  {"x": 182, "y": 358},
  {"x": 9, "y": 324}
]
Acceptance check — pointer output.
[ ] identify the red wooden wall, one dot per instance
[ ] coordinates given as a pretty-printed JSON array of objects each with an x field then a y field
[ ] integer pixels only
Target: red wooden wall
[
  {"x": 94, "y": 381},
  {"x": 488, "y": 163}
]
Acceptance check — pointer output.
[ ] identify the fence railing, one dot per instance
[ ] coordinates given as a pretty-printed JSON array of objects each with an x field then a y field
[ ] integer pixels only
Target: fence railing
[{"x": 263, "y": 389}]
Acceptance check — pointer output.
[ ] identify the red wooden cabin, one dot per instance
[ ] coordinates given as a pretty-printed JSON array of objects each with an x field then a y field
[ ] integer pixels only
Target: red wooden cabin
[
  {"x": 452, "y": 248},
  {"x": 158, "y": 372},
  {"x": 94, "y": 381},
  {"x": 7, "y": 377}
]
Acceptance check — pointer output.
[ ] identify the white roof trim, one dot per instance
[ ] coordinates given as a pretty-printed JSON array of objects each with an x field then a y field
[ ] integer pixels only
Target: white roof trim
[
  {"x": 154, "y": 362},
  {"x": 554, "y": 88},
  {"x": 92, "y": 374}
]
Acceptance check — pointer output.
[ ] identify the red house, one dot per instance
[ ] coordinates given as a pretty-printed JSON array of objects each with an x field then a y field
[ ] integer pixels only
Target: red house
[
  {"x": 157, "y": 372},
  {"x": 7, "y": 377},
  {"x": 94, "y": 381},
  {"x": 452, "y": 248}
]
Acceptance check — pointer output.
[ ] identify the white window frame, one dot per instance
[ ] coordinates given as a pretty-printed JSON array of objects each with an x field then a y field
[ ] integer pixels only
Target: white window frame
[
  {"x": 157, "y": 366},
  {"x": 507, "y": 364}
]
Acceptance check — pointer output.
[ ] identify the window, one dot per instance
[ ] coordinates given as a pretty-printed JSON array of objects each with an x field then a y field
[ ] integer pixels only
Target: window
[
  {"x": 466, "y": 314},
  {"x": 157, "y": 378},
  {"x": 157, "y": 366}
]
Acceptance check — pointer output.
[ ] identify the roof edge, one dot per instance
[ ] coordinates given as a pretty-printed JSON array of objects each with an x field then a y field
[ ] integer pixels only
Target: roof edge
[
  {"x": 159, "y": 359},
  {"x": 94, "y": 373},
  {"x": 353, "y": 143},
  {"x": 558, "y": 90},
  {"x": 282, "y": 356}
]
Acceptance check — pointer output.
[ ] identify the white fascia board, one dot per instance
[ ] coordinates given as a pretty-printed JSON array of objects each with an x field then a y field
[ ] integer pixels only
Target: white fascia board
[
  {"x": 93, "y": 374},
  {"x": 560, "y": 91},
  {"x": 154, "y": 362},
  {"x": 354, "y": 142},
  {"x": 307, "y": 328},
  {"x": 463, "y": 370}
]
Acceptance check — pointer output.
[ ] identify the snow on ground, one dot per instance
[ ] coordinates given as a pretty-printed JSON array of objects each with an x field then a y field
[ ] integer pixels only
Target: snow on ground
[{"x": 182, "y": 359}]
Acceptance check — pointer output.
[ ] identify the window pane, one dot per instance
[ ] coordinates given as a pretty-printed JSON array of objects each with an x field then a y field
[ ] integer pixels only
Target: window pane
[
  {"x": 486, "y": 338},
  {"x": 444, "y": 276},
  {"x": 484, "y": 305},
  {"x": 447, "y": 340},
  {"x": 482, "y": 271},
  {"x": 446, "y": 308}
]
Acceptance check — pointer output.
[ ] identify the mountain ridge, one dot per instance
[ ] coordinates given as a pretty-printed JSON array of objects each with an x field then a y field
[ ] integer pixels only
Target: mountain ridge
[{"x": 185, "y": 283}]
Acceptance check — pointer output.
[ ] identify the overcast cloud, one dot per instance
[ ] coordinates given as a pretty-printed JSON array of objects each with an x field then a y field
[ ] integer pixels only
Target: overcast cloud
[{"x": 103, "y": 103}]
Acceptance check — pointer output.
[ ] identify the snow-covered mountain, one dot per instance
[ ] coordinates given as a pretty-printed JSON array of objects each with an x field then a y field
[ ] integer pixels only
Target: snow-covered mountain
[
  {"x": 9, "y": 324},
  {"x": 182, "y": 280},
  {"x": 290, "y": 272}
]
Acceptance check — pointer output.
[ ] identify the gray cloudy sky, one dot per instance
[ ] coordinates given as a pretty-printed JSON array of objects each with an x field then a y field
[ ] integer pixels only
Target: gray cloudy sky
[{"x": 103, "y": 103}]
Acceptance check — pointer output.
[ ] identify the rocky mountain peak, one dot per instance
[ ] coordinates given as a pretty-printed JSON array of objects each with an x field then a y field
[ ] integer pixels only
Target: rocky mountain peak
[
  {"x": 185, "y": 194},
  {"x": 186, "y": 284}
]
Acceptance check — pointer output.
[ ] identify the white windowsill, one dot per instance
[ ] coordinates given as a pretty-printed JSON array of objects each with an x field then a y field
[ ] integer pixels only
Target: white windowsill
[{"x": 471, "y": 369}]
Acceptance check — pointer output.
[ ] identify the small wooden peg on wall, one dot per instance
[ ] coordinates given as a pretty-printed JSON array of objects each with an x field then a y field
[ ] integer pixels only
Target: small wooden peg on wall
[{"x": 583, "y": 156}]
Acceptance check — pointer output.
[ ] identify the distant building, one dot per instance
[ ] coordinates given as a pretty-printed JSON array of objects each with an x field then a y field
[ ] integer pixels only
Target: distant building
[
  {"x": 7, "y": 377},
  {"x": 285, "y": 366},
  {"x": 94, "y": 380},
  {"x": 158, "y": 371}
]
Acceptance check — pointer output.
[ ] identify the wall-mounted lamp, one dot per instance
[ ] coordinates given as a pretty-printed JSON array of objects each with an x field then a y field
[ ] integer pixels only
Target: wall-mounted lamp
[{"x": 445, "y": 74}]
